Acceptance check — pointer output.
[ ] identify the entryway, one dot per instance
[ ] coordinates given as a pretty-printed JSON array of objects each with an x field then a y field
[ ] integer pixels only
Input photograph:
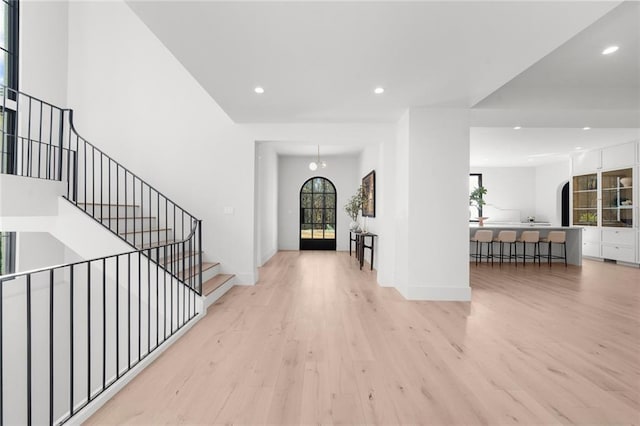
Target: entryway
[{"x": 318, "y": 214}]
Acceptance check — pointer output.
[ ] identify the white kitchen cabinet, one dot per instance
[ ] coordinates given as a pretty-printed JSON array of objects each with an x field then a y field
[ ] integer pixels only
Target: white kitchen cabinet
[
  {"x": 618, "y": 252},
  {"x": 587, "y": 162},
  {"x": 590, "y": 249},
  {"x": 619, "y": 236},
  {"x": 619, "y": 156},
  {"x": 605, "y": 200}
]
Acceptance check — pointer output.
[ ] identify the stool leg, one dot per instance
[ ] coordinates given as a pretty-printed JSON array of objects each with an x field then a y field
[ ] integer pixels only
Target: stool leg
[
  {"x": 564, "y": 251},
  {"x": 476, "y": 253},
  {"x": 549, "y": 254},
  {"x": 524, "y": 254}
]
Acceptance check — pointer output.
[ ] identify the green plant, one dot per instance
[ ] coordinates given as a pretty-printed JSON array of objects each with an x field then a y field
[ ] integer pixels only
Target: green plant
[
  {"x": 588, "y": 217},
  {"x": 477, "y": 196},
  {"x": 354, "y": 205}
]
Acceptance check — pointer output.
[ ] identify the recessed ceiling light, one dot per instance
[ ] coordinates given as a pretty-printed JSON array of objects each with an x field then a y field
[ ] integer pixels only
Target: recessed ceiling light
[
  {"x": 609, "y": 50},
  {"x": 259, "y": 90},
  {"x": 586, "y": 128},
  {"x": 378, "y": 90},
  {"x": 517, "y": 128},
  {"x": 578, "y": 147}
]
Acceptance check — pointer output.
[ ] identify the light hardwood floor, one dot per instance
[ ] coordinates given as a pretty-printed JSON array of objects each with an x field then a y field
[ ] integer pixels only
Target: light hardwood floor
[{"x": 318, "y": 341}]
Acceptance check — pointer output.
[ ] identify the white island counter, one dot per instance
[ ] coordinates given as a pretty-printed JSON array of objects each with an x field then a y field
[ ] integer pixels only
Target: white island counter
[{"x": 574, "y": 237}]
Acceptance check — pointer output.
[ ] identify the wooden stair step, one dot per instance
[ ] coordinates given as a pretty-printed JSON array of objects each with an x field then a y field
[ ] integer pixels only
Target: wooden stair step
[
  {"x": 110, "y": 205},
  {"x": 161, "y": 230},
  {"x": 154, "y": 245},
  {"x": 128, "y": 217},
  {"x": 214, "y": 283},
  {"x": 194, "y": 270},
  {"x": 177, "y": 257}
]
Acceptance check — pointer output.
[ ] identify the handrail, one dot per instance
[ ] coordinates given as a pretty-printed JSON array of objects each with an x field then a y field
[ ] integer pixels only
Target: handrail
[
  {"x": 72, "y": 126},
  {"x": 91, "y": 165}
]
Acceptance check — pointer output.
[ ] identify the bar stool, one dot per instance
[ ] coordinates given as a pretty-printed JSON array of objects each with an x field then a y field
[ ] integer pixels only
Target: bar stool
[
  {"x": 556, "y": 237},
  {"x": 483, "y": 237},
  {"x": 507, "y": 237},
  {"x": 530, "y": 237}
]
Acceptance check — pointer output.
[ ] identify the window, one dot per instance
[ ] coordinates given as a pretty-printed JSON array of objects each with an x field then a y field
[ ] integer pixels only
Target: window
[
  {"x": 8, "y": 78},
  {"x": 318, "y": 215},
  {"x": 9, "y": 43},
  {"x": 475, "y": 181},
  {"x": 7, "y": 253}
]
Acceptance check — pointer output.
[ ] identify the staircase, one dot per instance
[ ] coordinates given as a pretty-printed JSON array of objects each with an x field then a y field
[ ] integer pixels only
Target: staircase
[
  {"x": 100, "y": 320},
  {"x": 145, "y": 232}
]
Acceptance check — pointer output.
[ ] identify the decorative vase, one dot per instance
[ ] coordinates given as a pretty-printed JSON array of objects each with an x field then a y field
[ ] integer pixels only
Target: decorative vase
[
  {"x": 625, "y": 181},
  {"x": 354, "y": 226},
  {"x": 481, "y": 220}
]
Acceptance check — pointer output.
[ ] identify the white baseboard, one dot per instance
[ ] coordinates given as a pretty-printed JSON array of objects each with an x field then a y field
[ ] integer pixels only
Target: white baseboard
[{"x": 452, "y": 294}]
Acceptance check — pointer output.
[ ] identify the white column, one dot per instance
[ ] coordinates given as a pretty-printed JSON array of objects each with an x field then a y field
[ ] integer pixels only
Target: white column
[{"x": 437, "y": 199}]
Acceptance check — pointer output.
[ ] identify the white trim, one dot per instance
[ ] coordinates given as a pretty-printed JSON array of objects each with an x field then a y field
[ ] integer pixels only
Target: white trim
[{"x": 453, "y": 294}]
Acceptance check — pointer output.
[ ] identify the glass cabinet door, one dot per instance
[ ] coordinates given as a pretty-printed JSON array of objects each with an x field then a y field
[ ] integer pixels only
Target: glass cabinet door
[
  {"x": 585, "y": 200},
  {"x": 617, "y": 198}
]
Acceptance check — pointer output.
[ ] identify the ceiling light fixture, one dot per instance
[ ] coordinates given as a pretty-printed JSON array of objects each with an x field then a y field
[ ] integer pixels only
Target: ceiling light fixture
[
  {"x": 586, "y": 128},
  {"x": 259, "y": 90},
  {"x": 609, "y": 50},
  {"x": 578, "y": 147},
  {"x": 313, "y": 166},
  {"x": 517, "y": 128},
  {"x": 378, "y": 90}
]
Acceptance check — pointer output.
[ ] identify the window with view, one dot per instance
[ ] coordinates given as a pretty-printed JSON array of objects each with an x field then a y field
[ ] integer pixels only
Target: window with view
[
  {"x": 8, "y": 78},
  {"x": 475, "y": 181}
]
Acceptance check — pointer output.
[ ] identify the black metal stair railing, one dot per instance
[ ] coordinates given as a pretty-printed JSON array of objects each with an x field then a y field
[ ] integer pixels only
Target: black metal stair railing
[
  {"x": 57, "y": 324},
  {"x": 70, "y": 332},
  {"x": 40, "y": 140},
  {"x": 133, "y": 209}
]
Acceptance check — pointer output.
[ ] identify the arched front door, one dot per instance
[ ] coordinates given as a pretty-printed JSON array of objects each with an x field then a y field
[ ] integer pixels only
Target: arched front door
[{"x": 318, "y": 215}]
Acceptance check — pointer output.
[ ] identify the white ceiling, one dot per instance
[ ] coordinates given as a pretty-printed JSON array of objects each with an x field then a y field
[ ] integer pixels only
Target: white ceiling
[
  {"x": 506, "y": 147},
  {"x": 319, "y": 61},
  {"x": 577, "y": 75},
  {"x": 535, "y": 64},
  {"x": 301, "y": 149}
]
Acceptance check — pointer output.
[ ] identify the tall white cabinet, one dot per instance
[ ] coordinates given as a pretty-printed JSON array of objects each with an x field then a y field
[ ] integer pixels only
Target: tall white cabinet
[{"x": 604, "y": 200}]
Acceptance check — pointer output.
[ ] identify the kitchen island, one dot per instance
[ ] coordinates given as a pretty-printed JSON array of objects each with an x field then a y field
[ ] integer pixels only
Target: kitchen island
[{"x": 574, "y": 238}]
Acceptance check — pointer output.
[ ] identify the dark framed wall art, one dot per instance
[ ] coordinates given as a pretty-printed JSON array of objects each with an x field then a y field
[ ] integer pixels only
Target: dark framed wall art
[{"x": 369, "y": 189}]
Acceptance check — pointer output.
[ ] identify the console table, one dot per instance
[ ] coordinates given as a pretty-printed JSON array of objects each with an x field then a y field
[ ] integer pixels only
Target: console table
[{"x": 360, "y": 238}]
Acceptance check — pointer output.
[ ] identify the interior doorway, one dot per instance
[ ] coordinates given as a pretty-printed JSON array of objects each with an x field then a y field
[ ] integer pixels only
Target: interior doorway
[
  {"x": 318, "y": 214},
  {"x": 565, "y": 204}
]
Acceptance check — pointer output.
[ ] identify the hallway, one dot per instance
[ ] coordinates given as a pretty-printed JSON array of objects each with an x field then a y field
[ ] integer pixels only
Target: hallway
[{"x": 318, "y": 341}]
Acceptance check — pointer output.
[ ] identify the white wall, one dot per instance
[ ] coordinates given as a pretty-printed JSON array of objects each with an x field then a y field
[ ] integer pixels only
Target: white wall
[
  {"x": 437, "y": 232},
  {"x": 40, "y": 250},
  {"x": 43, "y": 50},
  {"x": 266, "y": 193},
  {"x": 293, "y": 172},
  {"x": 511, "y": 193},
  {"x": 550, "y": 178},
  {"x": 133, "y": 99}
]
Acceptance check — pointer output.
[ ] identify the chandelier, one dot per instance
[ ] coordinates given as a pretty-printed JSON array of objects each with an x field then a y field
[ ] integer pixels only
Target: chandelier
[{"x": 313, "y": 166}]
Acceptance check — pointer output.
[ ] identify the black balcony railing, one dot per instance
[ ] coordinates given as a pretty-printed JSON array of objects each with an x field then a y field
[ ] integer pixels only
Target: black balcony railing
[
  {"x": 69, "y": 332},
  {"x": 40, "y": 140}
]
